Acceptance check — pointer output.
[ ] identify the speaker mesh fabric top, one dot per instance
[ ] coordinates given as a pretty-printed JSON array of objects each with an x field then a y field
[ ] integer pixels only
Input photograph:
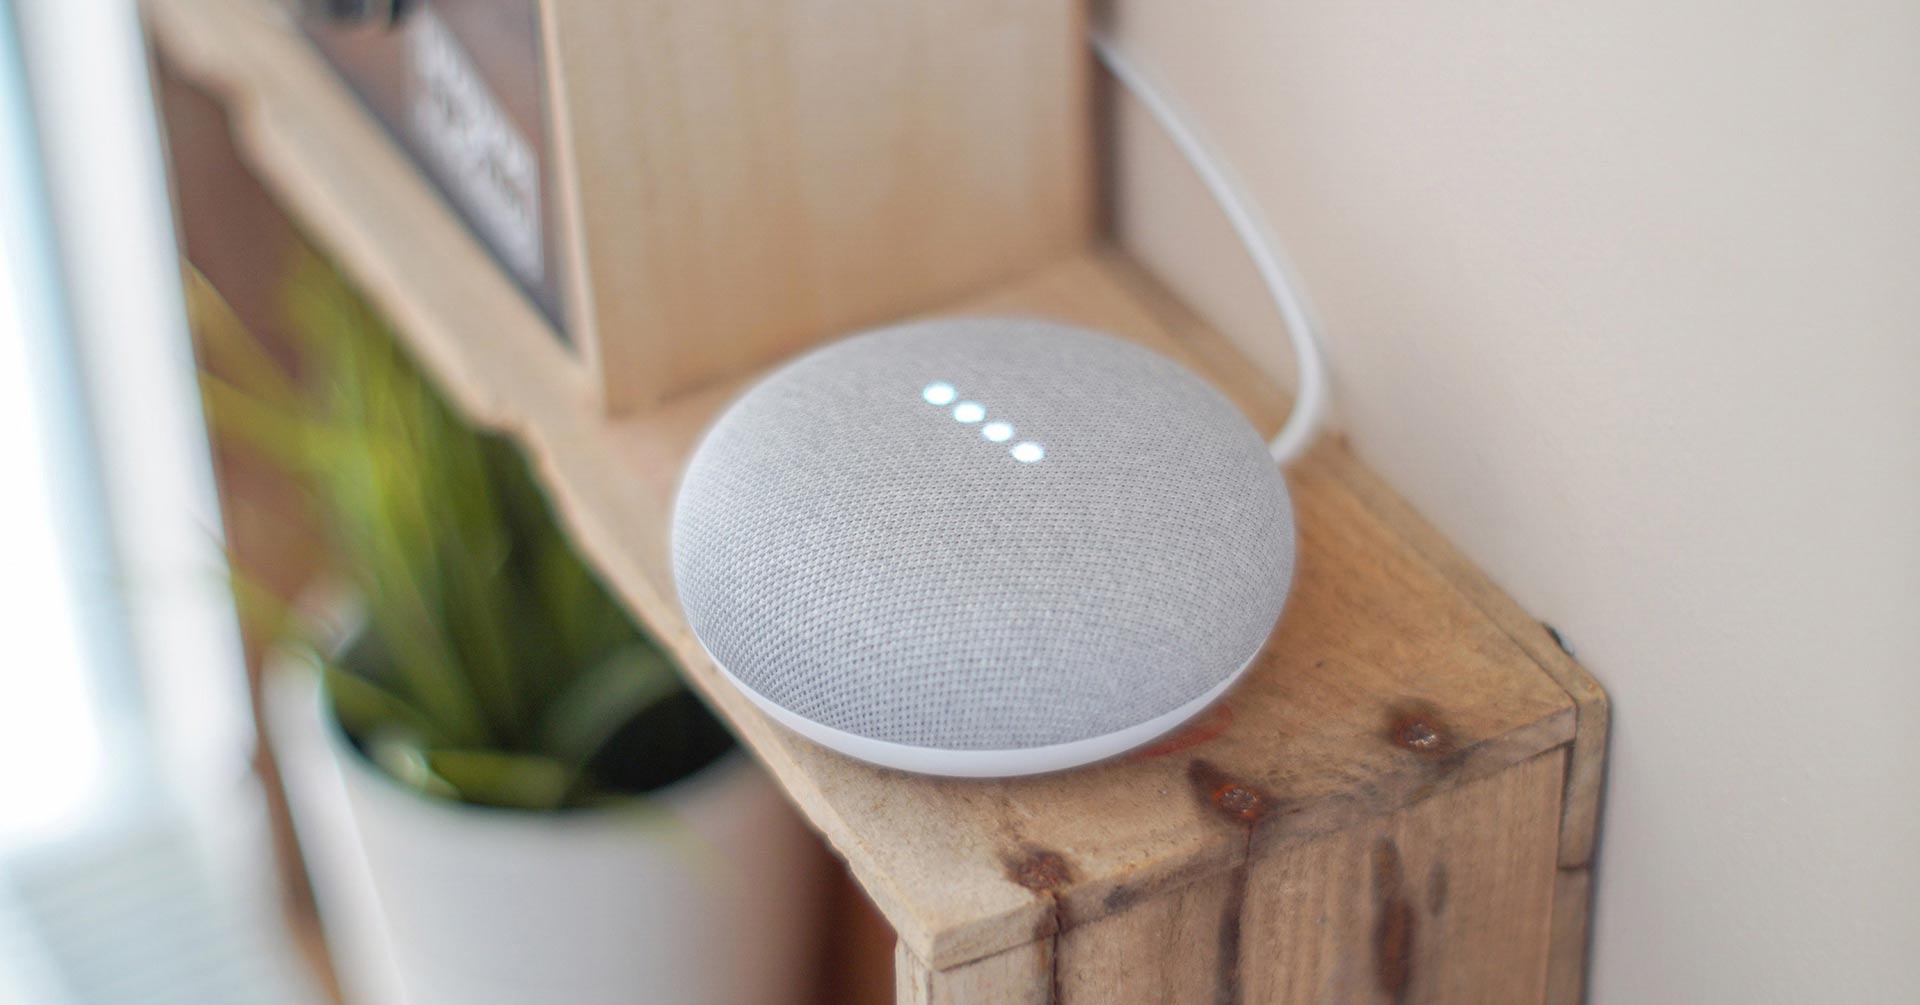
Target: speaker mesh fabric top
[{"x": 863, "y": 543}]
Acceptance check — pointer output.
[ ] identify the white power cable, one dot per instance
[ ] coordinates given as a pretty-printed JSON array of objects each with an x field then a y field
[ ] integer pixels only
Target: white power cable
[{"x": 1310, "y": 400}]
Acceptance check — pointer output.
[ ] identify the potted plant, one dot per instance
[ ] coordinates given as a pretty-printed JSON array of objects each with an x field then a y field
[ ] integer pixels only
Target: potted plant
[{"x": 502, "y": 789}]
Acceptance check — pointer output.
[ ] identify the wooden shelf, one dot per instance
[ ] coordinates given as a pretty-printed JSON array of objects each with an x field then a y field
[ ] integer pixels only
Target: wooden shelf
[{"x": 1403, "y": 698}]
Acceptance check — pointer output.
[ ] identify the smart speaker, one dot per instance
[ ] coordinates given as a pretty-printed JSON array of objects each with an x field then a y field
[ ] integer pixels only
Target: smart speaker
[{"x": 982, "y": 547}]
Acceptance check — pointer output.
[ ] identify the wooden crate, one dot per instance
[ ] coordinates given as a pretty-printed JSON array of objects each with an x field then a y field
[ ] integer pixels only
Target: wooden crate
[{"x": 1397, "y": 804}]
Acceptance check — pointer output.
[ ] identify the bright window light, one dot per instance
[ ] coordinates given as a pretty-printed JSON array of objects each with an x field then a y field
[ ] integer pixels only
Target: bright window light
[{"x": 49, "y": 733}]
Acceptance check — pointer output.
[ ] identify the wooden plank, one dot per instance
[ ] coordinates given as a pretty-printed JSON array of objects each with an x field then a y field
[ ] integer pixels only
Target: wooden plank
[
  {"x": 1166, "y": 948},
  {"x": 1385, "y": 684},
  {"x": 1022, "y": 975},
  {"x": 1586, "y": 761},
  {"x": 1447, "y": 901},
  {"x": 742, "y": 178},
  {"x": 1572, "y": 917},
  {"x": 1586, "y": 766}
]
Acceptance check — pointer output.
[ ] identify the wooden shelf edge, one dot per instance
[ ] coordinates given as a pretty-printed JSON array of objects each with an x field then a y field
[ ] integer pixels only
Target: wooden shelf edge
[{"x": 498, "y": 361}]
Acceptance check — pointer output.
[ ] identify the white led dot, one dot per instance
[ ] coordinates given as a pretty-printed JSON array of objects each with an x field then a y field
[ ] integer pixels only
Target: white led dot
[
  {"x": 938, "y": 393},
  {"x": 969, "y": 411},
  {"x": 998, "y": 432},
  {"x": 1028, "y": 452}
]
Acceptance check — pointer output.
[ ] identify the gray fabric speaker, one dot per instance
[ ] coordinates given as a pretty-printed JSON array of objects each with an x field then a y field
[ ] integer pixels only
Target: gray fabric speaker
[{"x": 982, "y": 546}]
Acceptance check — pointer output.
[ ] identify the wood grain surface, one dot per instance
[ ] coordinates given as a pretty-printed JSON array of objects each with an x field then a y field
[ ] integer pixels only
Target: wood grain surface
[{"x": 743, "y": 177}]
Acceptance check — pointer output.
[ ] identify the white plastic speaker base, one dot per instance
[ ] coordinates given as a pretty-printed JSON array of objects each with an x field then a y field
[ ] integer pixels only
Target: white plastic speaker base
[{"x": 986, "y": 763}]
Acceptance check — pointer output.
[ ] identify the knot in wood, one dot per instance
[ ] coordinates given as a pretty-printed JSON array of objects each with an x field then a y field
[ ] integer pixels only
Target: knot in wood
[
  {"x": 1042, "y": 870},
  {"x": 1419, "y": 728},
  {"x": 1238, "y": 801},
  {"x": 1418, "y": 734}
]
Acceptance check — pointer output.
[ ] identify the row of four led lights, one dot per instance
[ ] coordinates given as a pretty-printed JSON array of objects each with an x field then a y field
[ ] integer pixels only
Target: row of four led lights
[{"x": 970, "y": 412}]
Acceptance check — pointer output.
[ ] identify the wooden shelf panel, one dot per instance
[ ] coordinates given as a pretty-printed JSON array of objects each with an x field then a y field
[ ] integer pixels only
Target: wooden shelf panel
[{"x": 1397, "y": 672}]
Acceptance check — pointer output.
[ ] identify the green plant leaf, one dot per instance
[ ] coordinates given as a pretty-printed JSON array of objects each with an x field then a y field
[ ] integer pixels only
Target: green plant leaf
[
  {"x": 582, "y": 718},
  {"x": 495, "y": 665},
  {"x": 407, "y": 761},
  {"x": 366, "y": 709},
  {"x": 493, "y": 778},
  {"x": 230, "y": 349}
]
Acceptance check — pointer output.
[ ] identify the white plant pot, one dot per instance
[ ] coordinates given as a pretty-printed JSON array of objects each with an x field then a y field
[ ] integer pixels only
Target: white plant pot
[{"x": 708, "y": 894}]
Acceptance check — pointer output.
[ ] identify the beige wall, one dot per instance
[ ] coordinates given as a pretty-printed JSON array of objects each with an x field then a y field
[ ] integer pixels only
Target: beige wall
[{"x": 1626, "y": 298}]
